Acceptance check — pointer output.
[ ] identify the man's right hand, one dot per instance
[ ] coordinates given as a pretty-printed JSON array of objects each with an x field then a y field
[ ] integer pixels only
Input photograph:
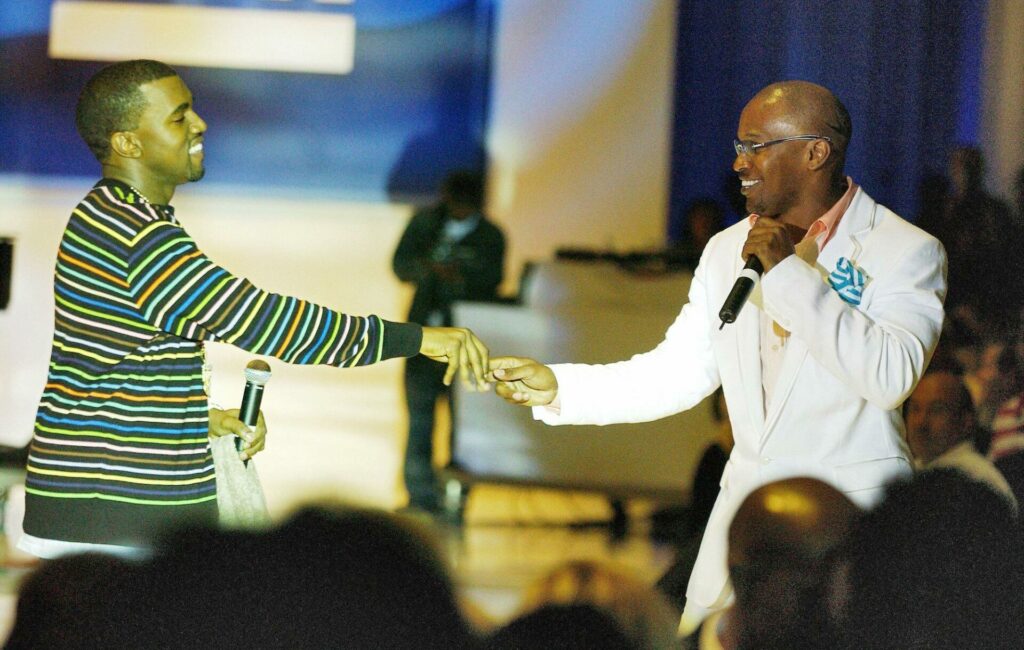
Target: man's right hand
[{"x": 523, "y": 381}]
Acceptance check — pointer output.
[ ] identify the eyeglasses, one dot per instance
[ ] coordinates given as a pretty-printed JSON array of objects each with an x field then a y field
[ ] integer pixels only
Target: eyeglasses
[{"x": 748, "y": 148}]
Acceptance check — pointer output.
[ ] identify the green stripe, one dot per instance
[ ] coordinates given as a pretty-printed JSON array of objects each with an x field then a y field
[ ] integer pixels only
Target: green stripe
[
  {"x": 380, "y": 338},
  {"x": 75, "y": 307},
  {"x": 329, "y": 342},
  {"x": 64, "y": 271},
  {"x": 270, "y": 327},
  {"x": 301, "y": 333},
  {"x": 116, "y": 260},
  {"x": 54, "y": 398},
  {"x": 144, "y": 264},
  {"x": 106, "y": 497},
  {"x": 176, "y": 282},
  {"x": 354, "y": 349},
  {"x": 158, "y": 378},
  {"x": 77, "y": 434},
  {"x": 213, "y": 293}
]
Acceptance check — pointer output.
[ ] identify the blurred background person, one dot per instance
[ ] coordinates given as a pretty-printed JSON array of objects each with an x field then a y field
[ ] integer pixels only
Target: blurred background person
[
  {"x": 450, "y": 251},
  {"x": 1006, "y": 449},
  {"x": 980, "y": 237},
  {"x": 941, "y": 428},
  {"x": 702, "y": 220}
]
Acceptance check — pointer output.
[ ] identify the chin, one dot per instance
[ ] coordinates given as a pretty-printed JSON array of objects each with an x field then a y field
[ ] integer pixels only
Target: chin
[{"x": 196, "y": 175}]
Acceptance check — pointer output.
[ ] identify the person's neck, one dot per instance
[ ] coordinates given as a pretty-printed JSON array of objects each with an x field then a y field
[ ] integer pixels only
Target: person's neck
[
  {"x": 151, "y": 190},
  {"x": 815, "y": 205}
]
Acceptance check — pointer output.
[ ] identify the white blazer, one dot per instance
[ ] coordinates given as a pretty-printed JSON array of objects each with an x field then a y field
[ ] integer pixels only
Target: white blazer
[{"x": 846, "y": 370}]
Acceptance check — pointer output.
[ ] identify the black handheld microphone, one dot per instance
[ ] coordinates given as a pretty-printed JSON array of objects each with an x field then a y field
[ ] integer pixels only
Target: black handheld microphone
[
  {"x": 257, "y": 374},
  {"x": 749, "y": 276}
]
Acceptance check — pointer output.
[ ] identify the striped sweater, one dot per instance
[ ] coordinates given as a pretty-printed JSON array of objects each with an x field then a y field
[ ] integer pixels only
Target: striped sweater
[{"x": 121, "y": 448}]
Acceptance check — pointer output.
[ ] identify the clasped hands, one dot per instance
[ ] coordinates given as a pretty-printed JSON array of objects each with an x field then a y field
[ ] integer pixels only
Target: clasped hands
[{"x": 518, "y": 380}]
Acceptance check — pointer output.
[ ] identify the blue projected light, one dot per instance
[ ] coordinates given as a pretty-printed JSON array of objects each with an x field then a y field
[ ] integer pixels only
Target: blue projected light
[
  {"x": 410, "y": 105},
  {"x": 23, "y": 18}
]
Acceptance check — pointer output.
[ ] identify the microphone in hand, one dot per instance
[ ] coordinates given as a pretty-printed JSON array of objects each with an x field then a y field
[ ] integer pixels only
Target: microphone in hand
[
  {"x": 257, "y": 374},
  {"x": 744, "y": 284}
]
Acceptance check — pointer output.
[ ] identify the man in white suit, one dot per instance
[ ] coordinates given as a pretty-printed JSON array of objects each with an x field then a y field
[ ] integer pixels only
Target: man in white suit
[{"x": 814, "y": 369}]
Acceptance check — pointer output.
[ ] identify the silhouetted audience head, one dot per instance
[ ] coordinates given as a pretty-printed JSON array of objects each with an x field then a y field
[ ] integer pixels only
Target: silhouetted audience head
[
  {"x": 642, "y": 612},
  {"x": 62, "y": 604},
  {"x": 781, "y": 542},
  {"x": 322, "y": 579},
  {"x": 940, "y": 415},
  {"x": 936, "y": 565},
  {"x": 567, "y": 627}
]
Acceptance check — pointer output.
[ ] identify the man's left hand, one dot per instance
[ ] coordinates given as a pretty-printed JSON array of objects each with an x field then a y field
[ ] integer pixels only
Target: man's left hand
[
  {"x": 225, "y": 423},
  {"x": 770, "y": 241}
]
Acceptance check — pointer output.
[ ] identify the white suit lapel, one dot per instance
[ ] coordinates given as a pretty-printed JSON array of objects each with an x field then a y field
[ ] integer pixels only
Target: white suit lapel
[
  {"x": 851, "y": 231},
  {"x": 855, "y": 225}
]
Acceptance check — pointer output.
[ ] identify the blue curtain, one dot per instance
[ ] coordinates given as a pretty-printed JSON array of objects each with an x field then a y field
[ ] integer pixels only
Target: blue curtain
[{"x": 908, "y": 71}]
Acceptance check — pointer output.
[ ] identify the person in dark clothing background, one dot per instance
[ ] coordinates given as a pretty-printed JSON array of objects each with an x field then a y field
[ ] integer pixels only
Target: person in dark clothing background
[
  {"x": 451, "y": 252},
  {"x": 978, "y": 231}
]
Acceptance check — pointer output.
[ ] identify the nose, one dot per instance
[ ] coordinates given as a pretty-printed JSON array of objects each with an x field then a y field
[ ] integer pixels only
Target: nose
[
  {"x": 740, "y": 163},
  {"x": 198, "y": 125}
]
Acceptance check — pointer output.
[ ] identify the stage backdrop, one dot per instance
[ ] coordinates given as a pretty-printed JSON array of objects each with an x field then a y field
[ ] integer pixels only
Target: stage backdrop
[{"x": 364, "y": 100}]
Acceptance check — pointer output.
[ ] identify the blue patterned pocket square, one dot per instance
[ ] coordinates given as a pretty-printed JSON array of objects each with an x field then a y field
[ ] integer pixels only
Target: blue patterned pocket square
[{"x": 848, "y": 281}]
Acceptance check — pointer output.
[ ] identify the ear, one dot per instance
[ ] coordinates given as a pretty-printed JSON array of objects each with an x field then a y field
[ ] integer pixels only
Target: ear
[
  {"x": 818, "y": 154},
  {"x": 125, "y": 144}
]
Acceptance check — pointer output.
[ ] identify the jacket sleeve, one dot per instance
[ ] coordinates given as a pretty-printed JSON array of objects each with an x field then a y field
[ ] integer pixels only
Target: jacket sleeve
[
  {"x": 177, "y": 289},
  {"x": 674, "y": 376},
  {"x": 881, "y": 352}
]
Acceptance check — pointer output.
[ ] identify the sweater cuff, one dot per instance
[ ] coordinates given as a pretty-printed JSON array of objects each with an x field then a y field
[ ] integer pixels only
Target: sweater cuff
[{"x": 401, "y": 340}]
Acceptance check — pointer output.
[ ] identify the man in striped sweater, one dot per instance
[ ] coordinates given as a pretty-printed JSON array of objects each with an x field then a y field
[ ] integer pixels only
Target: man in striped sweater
[{"x": 121, "y": 448}]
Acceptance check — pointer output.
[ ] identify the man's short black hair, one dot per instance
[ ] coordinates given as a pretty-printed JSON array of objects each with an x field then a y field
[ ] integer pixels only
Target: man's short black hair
[{"x": 111, "y": 101}]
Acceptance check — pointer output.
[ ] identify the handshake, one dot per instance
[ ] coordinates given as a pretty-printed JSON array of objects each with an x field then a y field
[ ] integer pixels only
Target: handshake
[{"x": 518, "y": 380}]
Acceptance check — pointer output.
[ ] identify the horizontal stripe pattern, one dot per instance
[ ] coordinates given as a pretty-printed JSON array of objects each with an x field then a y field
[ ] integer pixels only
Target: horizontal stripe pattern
[{"x": 123, "y": 416}]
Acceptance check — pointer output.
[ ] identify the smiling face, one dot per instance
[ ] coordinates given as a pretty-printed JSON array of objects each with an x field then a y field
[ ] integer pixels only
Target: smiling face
[
  {"x": 170, "y": 134},
  {"x": 772, "y": 177}
]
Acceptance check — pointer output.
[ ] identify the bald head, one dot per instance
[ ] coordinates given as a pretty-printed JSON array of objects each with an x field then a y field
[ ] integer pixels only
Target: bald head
[
  {"x": 809, "y": 108},
  {"x": 798, "y": 519},
  {"x": 780, "y": 544}
]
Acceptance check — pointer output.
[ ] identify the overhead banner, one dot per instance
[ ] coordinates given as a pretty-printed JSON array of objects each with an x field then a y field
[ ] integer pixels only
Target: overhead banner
[{"x": 361, "y": 99}]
